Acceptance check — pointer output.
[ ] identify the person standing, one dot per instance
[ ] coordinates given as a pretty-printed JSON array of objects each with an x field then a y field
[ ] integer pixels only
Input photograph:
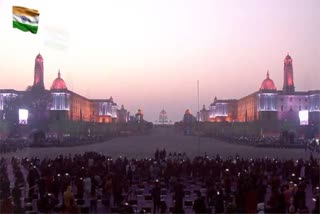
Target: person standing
[
  {"x": 156, "y": 192},
  {"x": 199, "y": 205},
  {"x": 93, "y": 201},
  {"x": 16, "y": 194},
  {"x": 68, "y": 197},
  {"x": 87, "y": 186},
  {"x": 178, "y": 196}
]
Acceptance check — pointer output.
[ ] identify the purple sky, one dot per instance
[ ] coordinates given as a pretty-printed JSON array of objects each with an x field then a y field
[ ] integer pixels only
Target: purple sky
[{"x": 150, "y": 54}]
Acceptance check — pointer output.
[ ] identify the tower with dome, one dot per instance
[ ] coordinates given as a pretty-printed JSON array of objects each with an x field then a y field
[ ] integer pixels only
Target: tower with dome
[
  {"x": 64, "y": 105},
  {"x": 269, "y": 103},
  {"x": 163, "y": 117}
]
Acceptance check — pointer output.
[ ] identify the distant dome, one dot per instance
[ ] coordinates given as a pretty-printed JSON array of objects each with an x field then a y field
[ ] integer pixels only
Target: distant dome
[
  {"x": 140, "y": 112},
  {"x": 58, "y": 83},
  {"x": 163, "y": 112},
  {"x": 163, "y": 117},
  {"x": 188, "y": 111},
  {"x": 268, "y": 84}
]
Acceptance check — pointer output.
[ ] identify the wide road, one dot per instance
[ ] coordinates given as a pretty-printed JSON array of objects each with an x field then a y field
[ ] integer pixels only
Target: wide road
[{"x": 145, "y": 146}]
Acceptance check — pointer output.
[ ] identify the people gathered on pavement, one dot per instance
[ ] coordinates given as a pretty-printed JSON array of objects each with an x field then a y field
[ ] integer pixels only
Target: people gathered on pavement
[
  {"x": 171, "y": 182},
  {"x": 16, "y": 144}
]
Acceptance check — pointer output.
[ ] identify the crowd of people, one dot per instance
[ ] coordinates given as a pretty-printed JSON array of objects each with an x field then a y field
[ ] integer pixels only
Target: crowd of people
[
  {"x": 173, "y": 182},
  {"x": 251, "y": 140},
  {"x": 13, "y": 145},
  {"x": 312, "y": 145}
]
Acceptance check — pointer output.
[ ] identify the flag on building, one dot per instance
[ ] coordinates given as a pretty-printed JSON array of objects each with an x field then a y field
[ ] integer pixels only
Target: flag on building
[{"x": 25, "y": 19}]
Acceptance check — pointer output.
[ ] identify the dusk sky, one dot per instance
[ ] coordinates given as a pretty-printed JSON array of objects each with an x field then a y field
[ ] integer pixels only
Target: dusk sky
[{"x": 149, "y": 54}]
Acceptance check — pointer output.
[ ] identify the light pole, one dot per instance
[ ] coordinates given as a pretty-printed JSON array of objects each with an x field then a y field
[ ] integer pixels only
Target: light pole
[{"x": 198, "y": 119}]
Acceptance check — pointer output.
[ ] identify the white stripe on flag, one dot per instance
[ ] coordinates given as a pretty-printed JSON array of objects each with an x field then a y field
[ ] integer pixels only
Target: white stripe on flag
[{"x": 29, "y": 19}]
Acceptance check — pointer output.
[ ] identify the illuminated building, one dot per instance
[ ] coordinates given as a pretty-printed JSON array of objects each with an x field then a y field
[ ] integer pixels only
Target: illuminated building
[
  {"x": 288, "y": 85},
  {"x": 188, "y": 117},
  {"x": 65, "y": 104},
  {"x": 38, "y": 72},
  {"x": 123, "y": 115},
  {"x": 68, "y": 105},
  {"x": 222, "y": 110},
  {"x": 163, "y": 117},
  {"x": 139, "y": 116},
  {"x": 204, "y": 114},
  {"x": 6, "y": 95},
  {"x": 268, "y": 103}
]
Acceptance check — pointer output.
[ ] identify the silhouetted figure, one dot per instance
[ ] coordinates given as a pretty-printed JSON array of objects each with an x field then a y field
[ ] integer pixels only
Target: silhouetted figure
[
  {"x": 156, "y": 192},
  {"x": 178, "y": 196},
  {"x": 199, "y": 205},
  {"x": 93, "y": 201},
  {"x": 16, "y": 194}
]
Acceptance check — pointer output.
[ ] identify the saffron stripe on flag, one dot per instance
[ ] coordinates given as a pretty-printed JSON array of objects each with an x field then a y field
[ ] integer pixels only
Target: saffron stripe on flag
[{"x": 24, "y": 11}]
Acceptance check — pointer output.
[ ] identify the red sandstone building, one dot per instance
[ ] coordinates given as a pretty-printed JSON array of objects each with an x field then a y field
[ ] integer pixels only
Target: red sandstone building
[
  {"x": 68, "y": 105},
  {"x": 268, "y": 103}
]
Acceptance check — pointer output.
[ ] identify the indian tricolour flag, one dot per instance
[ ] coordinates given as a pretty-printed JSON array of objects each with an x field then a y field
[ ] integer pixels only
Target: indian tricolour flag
[{"x": 25, "y": 19}]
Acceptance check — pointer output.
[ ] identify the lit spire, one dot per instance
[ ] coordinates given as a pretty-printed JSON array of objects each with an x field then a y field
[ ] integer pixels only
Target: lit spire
[
  {"x": 267, "y": 74},
  {"x": 59, "y": 74}
]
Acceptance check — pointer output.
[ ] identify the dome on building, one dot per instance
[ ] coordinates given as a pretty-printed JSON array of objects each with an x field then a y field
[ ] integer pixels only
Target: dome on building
[
  {"x": 268, "y": 84},
  {"x": 58, "y": 83},
  {"x": 163, "y": 117},
  {"x": 163, "y": 112},
  {"x": 188, "y": 111},
  {"x": 140, "y": 112}
]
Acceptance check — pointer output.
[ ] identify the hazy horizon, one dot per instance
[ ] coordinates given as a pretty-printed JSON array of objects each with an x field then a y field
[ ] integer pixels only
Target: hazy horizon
[{"x": 150, "y": 54}]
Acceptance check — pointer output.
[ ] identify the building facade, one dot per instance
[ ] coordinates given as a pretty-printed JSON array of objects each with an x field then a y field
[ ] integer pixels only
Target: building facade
[
  {"x": 268, "y": 103},
  {"x": 163, "y": 117},
  {"x": 188, "y": 117},
  {"x": 65, "y": 104},
  {"x": 123, "y": 115},
  {"x": 221, "y": 110}
]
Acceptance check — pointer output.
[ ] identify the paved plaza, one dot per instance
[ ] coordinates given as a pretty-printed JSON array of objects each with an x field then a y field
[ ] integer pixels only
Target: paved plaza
[{"x": 145, "y": 146}]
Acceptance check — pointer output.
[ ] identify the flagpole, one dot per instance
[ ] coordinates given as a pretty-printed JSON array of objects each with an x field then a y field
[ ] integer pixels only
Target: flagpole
[{"x": 198, "y": 119}]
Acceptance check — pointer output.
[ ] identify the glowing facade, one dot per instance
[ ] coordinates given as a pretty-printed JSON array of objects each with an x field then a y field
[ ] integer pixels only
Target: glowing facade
[
  {"x": 6, "y": 95},
  {"x": 188, "y": 117},
  {"x": 163, "y": 117},
  {"x": 268, "y": 103},
  {"x": 123, "y": 115},
  {"x": 38, "y": 72},
  {"x": 139, "y": 116},
  {"x": 288, "y": 85},
  {"x": 66, "y": 104},
  {"x": 204, "y": 114}
]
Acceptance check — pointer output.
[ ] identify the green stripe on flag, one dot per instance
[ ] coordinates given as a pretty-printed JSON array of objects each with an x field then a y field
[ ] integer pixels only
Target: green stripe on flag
[{"x": 25, "y": 27}]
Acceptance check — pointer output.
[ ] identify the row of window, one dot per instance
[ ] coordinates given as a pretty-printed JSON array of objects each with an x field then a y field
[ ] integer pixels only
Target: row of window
[
  {"x": 290, "y": 109},
  {"x": 291, "y": 99}
]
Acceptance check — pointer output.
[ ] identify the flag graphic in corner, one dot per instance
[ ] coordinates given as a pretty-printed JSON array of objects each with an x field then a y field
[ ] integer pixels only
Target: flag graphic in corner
[{"x": 25, "y": 19}]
